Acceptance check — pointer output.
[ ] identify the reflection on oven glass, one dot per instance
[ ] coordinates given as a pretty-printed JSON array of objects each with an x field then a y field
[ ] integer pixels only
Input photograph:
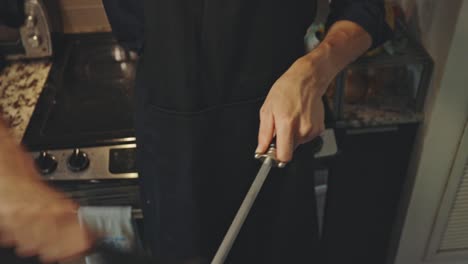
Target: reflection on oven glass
[
  {"x": 97, "y": 90},
  {"x": 119, "y": 53},
  {"x": 384, "y": 87}
]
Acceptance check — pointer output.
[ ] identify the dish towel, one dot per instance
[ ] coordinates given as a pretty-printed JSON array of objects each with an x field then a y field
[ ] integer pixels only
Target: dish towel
[{"x": 113, "y": 225}]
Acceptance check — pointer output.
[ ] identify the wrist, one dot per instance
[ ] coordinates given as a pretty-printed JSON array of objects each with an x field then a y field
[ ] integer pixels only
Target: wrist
[
  {"x": 331, "y": 55},
  {"x": 345, "y": 41},
  {"x": 322, "y": 68}
]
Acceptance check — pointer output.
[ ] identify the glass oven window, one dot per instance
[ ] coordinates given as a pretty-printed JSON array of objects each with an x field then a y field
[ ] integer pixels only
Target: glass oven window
[
  {"x": 385, "y": 88},
  {"x": 384, "y": 93},
  {"x": 9, "y": 35},
  {"x": 392, "y": 88},
  {"x": 10, "y": 41}
]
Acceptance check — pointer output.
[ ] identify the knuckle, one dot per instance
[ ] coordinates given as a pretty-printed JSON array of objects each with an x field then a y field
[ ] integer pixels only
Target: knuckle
[
  {"x": 305, "y": 131},
  {"x": 303, "y": 137}
]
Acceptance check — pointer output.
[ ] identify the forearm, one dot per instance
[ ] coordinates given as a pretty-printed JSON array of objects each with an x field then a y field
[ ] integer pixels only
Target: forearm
[
  {"x": 34, "y": 216},
  {"x": 7, "y": 147},
  {"x": 14, "y": 162},
  {"x": 3, "y": 133},
  {"x": 344, "y": 42},
  {"x": 18, "y": 175}
]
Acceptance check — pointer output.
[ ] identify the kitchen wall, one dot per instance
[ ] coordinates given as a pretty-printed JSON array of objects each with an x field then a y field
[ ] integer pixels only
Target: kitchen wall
[
  {"x": 434, "y": 23},
  {"x": 78, "y": 16}
]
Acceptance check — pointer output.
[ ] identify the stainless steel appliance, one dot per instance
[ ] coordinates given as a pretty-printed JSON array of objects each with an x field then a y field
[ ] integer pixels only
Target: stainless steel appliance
[
  {"x": 82, "y": 127},
  {"x": 81, "y": 133},
  {"x": 29, "y": 39}
]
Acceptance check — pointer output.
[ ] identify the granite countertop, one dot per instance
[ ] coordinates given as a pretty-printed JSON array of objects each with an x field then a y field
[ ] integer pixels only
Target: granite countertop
[
  {"x": 357, "y": 116},
  {"x": 21, "y": 83}
]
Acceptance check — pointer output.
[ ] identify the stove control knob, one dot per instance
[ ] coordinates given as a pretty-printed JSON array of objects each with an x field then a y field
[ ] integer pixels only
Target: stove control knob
[
  {"x": 46, "y": 163},
  {"x": 34, "y": 41},
  {"x": 78, "y": 161},
  {"x": 31, "y": 21}
]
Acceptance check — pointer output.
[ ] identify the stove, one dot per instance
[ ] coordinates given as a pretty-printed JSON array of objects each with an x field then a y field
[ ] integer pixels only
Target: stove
[{"x": 82, "y": 127}]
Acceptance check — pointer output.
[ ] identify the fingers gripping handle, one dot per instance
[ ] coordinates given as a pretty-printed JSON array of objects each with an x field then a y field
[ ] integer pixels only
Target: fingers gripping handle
[{"x": 271, "y": 154}]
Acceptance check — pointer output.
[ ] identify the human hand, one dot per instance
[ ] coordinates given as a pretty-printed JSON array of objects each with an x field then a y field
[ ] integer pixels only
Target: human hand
[
  {"x": 293, "y": 110},
  {"x": 35, "y": 219}
]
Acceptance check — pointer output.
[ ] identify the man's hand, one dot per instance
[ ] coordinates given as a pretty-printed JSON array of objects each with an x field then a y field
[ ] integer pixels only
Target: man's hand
[
  {"x": 293, "y": 110},
  {"x": 35, "y": 219}
]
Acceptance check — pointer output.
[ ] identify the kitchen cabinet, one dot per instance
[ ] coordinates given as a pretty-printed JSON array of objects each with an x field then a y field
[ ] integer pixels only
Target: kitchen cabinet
[
  {"x": 364, "y": 190},
  {"x": 449, "y": 238}
]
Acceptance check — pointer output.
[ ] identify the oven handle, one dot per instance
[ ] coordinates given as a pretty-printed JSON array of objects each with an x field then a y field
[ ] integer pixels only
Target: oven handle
[{"x": 329, "y": 147}]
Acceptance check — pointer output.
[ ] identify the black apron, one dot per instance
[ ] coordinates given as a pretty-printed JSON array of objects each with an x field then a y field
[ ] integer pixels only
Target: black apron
[{"x": 205, "y": 71}]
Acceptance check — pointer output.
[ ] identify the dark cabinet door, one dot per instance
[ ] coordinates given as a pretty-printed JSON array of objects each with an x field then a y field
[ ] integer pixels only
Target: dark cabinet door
[{"x": 364, "y": 192}]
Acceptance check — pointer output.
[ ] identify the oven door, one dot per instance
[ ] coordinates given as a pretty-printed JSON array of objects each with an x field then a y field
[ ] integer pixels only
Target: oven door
[
  {"x": 107, "y": 194},
  {"x": 103, "y": 193},
  {"x": 12, "y": 17},
  {"x": 10, "y": 41}
]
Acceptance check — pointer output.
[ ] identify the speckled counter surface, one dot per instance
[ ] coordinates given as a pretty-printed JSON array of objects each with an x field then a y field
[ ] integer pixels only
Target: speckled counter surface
[
  {"x": 21, "y": 83},
  {"x": 358, "y": 116}
]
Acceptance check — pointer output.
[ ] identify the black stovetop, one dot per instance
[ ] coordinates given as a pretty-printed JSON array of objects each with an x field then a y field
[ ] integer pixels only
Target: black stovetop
[{"x": 88, "y": 97}]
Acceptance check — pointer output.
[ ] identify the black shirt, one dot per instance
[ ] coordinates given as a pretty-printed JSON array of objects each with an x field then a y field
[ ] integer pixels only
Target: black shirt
[
  {"x": 205, "y": 70},
  {"x": 369, "y": 14},
  {"x": 127, "y": 19}
]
